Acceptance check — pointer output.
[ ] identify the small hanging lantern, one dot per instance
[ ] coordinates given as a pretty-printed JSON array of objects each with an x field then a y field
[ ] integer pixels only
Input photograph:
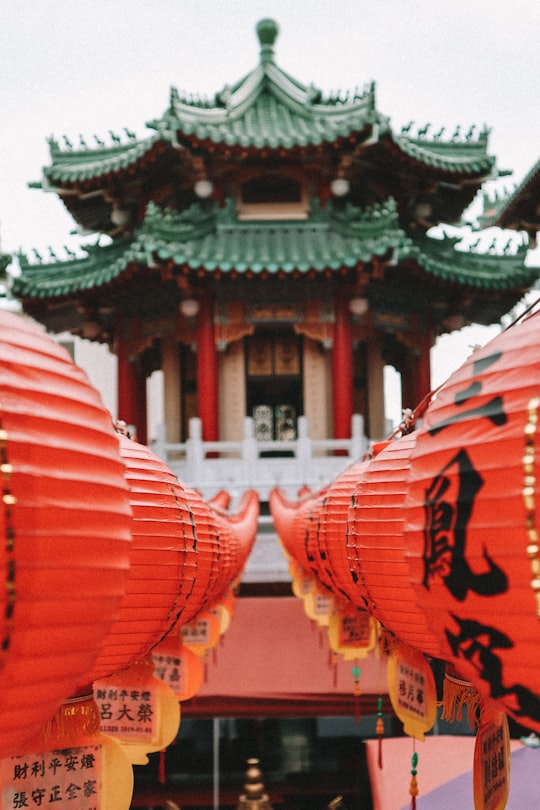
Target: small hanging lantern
[{"x": 178, "y": 666}]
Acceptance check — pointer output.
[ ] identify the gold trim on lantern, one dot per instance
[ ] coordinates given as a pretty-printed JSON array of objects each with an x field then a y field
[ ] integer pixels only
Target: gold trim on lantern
[
  {"x": 457, "y": 695},
  {"x": 8, "y": 500},
  {"x": 529, "y": 483}
]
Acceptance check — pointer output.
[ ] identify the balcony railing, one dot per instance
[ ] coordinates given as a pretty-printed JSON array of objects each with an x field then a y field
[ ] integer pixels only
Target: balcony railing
[
  {"x": 260, "y": 465},
  {"x": 250, "y": 464}
]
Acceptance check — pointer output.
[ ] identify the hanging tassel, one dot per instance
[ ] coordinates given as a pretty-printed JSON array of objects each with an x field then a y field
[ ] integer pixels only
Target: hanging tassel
[
  {"x": 457, "y": 695},
  {"x": 379, "y": 730},
  {"x": 356, "y": 672},
  {"x": 334, "y": 664},
  {"x": 413, "y": 787},
  {"x": 76, "y": 715},
  {"x": 161, "y": 767}
]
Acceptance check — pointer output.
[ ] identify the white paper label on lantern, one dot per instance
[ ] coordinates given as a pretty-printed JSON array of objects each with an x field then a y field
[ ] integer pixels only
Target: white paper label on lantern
[
  {"x": 412, "y": 690},
  {"x": 198, "y": 632},
  {"x": 68, "y": 778},
  {"x": 491, "y": 773},
  {"x": 130, "y": 712},
  {"x": 172, "y": 670},
  {"x": 355, "y": 629}
]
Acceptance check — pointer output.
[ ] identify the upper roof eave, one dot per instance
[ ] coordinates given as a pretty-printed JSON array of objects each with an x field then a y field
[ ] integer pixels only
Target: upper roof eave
[
  {"x": 448, "y": 156},
  {"x": 77, "y": 165}
]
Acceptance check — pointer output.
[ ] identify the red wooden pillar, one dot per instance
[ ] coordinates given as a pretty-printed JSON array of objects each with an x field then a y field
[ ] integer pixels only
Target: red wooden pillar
[
  {"x": 207, "y": 383},
  {"x": 423, "y": 367},
  {"x": 342, "y": 372},
  {"x": 131, "y": 389}
]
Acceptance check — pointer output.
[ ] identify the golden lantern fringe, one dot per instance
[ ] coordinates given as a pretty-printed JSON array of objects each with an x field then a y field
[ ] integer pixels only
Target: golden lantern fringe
[
  {"x": 413, "y": 787},
  {"x": 457, "y": 695},
  {"x": 76, "y": 715}
]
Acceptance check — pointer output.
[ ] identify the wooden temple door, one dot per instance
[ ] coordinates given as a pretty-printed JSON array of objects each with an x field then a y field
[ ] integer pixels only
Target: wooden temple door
[{"x": 274, "y": 384}]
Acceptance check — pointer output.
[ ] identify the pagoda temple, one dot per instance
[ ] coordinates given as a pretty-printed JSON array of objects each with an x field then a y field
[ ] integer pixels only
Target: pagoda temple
[{"x": 270, "y": 249}]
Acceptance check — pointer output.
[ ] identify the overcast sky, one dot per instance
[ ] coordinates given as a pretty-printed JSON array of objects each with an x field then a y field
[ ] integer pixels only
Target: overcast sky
[{"x": 90, "y": 66}]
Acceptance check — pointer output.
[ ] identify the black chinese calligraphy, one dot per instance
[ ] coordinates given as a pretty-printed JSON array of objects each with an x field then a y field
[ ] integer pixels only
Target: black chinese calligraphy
[
  {"x": 448, "y": 505},
  {"x": 476, "y": 643}
]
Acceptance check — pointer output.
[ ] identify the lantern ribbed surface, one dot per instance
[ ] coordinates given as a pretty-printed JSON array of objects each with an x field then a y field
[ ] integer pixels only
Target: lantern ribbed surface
[
  {"x": 327, "y": 538},
  {"x": 164, "y": 560},
  {"x": 471, "y": 519},
  {"x": 237, "y": 531},
  {"x": 65, "y": 519},
  {"x": 376, "y": 545},
  {"x": 292, "y": 521}
]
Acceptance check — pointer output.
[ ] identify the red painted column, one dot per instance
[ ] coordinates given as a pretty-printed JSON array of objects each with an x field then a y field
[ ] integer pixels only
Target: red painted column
[
  {"x": 131, "y": 388},
  {"x": 342, "y": 371},
  {"x": 423, "y": 368},
  {"x": 207, "y": 383}
]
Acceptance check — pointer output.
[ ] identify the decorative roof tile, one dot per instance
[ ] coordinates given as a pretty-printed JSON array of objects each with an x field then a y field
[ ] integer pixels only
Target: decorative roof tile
[
  {"x": 443, "y": 259},
  {"x": 457, "y": 156},
  {"x": 72, "y": 165},
  {"x": 214, "y": 239},
  {"x": 268, "y": 108}
]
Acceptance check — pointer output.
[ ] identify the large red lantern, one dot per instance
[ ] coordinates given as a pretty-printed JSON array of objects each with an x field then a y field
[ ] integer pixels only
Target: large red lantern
[
  {"x": 65, "y": 520},
  {"x": 164, "y": 562},
  {"x": 376, "y": 545},
  {"x": 471, "y": 520}
]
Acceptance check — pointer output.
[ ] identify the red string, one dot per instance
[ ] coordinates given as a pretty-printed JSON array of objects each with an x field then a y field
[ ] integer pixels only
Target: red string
[{"x": 161, "y": 767}]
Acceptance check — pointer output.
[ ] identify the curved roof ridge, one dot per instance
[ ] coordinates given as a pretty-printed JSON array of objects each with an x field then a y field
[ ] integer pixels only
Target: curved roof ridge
[{"x": 447, "y": 155}]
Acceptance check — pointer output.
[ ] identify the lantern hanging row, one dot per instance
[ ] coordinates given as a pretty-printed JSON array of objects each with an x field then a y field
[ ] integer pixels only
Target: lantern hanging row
[
  {"x": 440, "y": 540},
  {"x": 104, "y": 549}
]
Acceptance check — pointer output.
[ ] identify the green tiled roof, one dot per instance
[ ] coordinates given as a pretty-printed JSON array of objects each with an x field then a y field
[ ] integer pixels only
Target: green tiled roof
[
  {"x": 215, "y": 240},
  {"x": 443, "y": 259},
  {"x": 500, "y": 210},
  {"x": 57, "y": 279},
  {"x": 269, "y": 108},
  {"x": 323, "y": 241},
  {"x": 454, "y": 155},
  {"x": 75, "y": 165}
]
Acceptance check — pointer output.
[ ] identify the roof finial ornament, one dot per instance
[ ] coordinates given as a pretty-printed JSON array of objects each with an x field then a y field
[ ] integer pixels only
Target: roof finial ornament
[{"x": 267, "y": 31}]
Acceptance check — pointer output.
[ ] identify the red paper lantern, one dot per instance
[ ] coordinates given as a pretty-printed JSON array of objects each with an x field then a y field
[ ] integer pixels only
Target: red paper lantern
[
  {"x": 471, "y": 521},
  {"x": 376, "y": 545},
  {"x": 292, "y": 520},
  {"x": 65, "y": 518},
  {"x": 237, "y": 533},
  {"x": 326, "y": 541},
  {"x": 165, "y": 562},
  {"x": 178, "y": 666}
]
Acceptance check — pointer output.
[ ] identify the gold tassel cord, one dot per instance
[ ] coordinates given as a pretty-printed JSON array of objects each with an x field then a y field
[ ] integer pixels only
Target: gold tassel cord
[
  {"x": 76, "y": 715},
  {"x": 529, "y": 485},
  {"x": 457, "y": 695}
]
